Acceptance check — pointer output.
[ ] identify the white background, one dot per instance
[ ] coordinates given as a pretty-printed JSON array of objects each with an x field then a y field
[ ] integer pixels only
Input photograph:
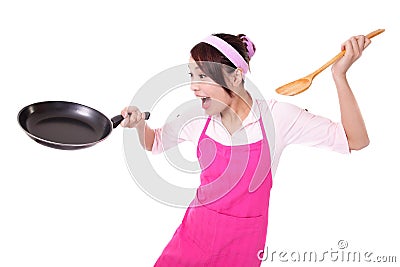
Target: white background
[{"x": 82, "y": 208}]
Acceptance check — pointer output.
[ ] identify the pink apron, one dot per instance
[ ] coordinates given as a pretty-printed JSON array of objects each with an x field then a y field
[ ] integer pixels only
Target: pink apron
[{"x": 226, "y": 223}]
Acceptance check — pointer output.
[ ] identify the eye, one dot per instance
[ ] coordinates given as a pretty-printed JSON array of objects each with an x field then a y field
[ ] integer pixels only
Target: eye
[
  {"x": 202, "y": 76},
  {"x": 190, "y": 74}
]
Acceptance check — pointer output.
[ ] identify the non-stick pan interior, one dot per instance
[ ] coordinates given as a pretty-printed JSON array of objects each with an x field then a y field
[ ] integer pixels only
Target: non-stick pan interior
[{"x": 64, "y": 122}]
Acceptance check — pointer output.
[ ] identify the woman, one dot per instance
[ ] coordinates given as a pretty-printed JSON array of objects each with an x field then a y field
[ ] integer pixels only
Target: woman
[{"x": 226, "y": 223}]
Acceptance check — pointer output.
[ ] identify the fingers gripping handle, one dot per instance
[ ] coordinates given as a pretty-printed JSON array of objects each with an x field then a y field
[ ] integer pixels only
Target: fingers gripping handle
[
  {"x": 341, "y": 54},
  {"x": 119, "y": 118}
]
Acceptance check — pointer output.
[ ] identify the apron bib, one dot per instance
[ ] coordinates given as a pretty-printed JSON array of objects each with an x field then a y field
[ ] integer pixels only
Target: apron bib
[{"x": 226, "y": 223}]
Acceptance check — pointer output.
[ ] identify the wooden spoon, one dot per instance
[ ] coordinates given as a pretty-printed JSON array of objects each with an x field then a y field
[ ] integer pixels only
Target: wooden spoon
[{"x": 300, "y": 85}]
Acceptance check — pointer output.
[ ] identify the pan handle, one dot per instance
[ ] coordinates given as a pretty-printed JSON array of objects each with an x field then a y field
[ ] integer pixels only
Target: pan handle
[{"x": 118, "y": 119}]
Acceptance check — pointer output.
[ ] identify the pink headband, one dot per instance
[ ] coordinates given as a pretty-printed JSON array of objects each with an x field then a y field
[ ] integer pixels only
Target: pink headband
[
  {"x": 249, "y": 45},
  {"x": 227, "y": 50}
]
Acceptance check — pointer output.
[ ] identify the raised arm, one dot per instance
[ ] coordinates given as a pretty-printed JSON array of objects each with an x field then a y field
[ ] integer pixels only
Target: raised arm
[{"x": 351, "y": 117}]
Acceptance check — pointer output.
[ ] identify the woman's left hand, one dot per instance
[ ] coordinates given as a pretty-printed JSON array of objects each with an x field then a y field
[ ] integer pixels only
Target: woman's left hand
[{"x": 354, "y": 48}]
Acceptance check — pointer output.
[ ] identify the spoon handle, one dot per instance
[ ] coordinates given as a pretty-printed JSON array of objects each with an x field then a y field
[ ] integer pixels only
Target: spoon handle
[
  {"x": 341, "y": 54},
  {"x": 374, "y": 33}
]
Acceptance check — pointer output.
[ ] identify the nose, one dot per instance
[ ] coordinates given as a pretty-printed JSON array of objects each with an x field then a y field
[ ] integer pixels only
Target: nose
[{"x": 194, "y": 86}]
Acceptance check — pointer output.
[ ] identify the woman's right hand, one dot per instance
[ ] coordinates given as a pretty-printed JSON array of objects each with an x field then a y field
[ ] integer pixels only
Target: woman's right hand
[{"x": 133, "y": 117}]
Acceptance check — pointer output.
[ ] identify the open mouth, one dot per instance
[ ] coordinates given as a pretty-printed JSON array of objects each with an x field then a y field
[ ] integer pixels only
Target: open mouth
[{"x": 205, "y": 99}]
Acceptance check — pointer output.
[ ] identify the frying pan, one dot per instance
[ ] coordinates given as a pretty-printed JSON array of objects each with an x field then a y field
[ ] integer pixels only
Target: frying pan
[{"x": 66, "y": 125}]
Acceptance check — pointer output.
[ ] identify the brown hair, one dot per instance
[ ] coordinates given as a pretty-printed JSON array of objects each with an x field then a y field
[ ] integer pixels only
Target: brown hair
[{"x": 203, "y": 53}]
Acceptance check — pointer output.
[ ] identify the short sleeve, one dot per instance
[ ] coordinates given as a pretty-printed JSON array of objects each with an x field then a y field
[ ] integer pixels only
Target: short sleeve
[
  {"x": 165, "y": 138},
  {"x": 298, "y": 126},
  {"x": 184, "y": 126}
]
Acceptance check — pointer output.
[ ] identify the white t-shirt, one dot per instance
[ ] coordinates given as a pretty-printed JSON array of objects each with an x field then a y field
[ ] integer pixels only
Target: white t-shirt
[{"x": 284, "y": 124}]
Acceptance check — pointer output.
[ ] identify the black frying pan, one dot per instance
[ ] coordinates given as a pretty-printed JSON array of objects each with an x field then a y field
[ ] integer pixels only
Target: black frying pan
[{"x": 66, "y": 125}]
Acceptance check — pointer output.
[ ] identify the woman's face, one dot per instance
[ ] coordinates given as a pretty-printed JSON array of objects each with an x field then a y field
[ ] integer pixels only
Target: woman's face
[{"x": 214, "y": 98}]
